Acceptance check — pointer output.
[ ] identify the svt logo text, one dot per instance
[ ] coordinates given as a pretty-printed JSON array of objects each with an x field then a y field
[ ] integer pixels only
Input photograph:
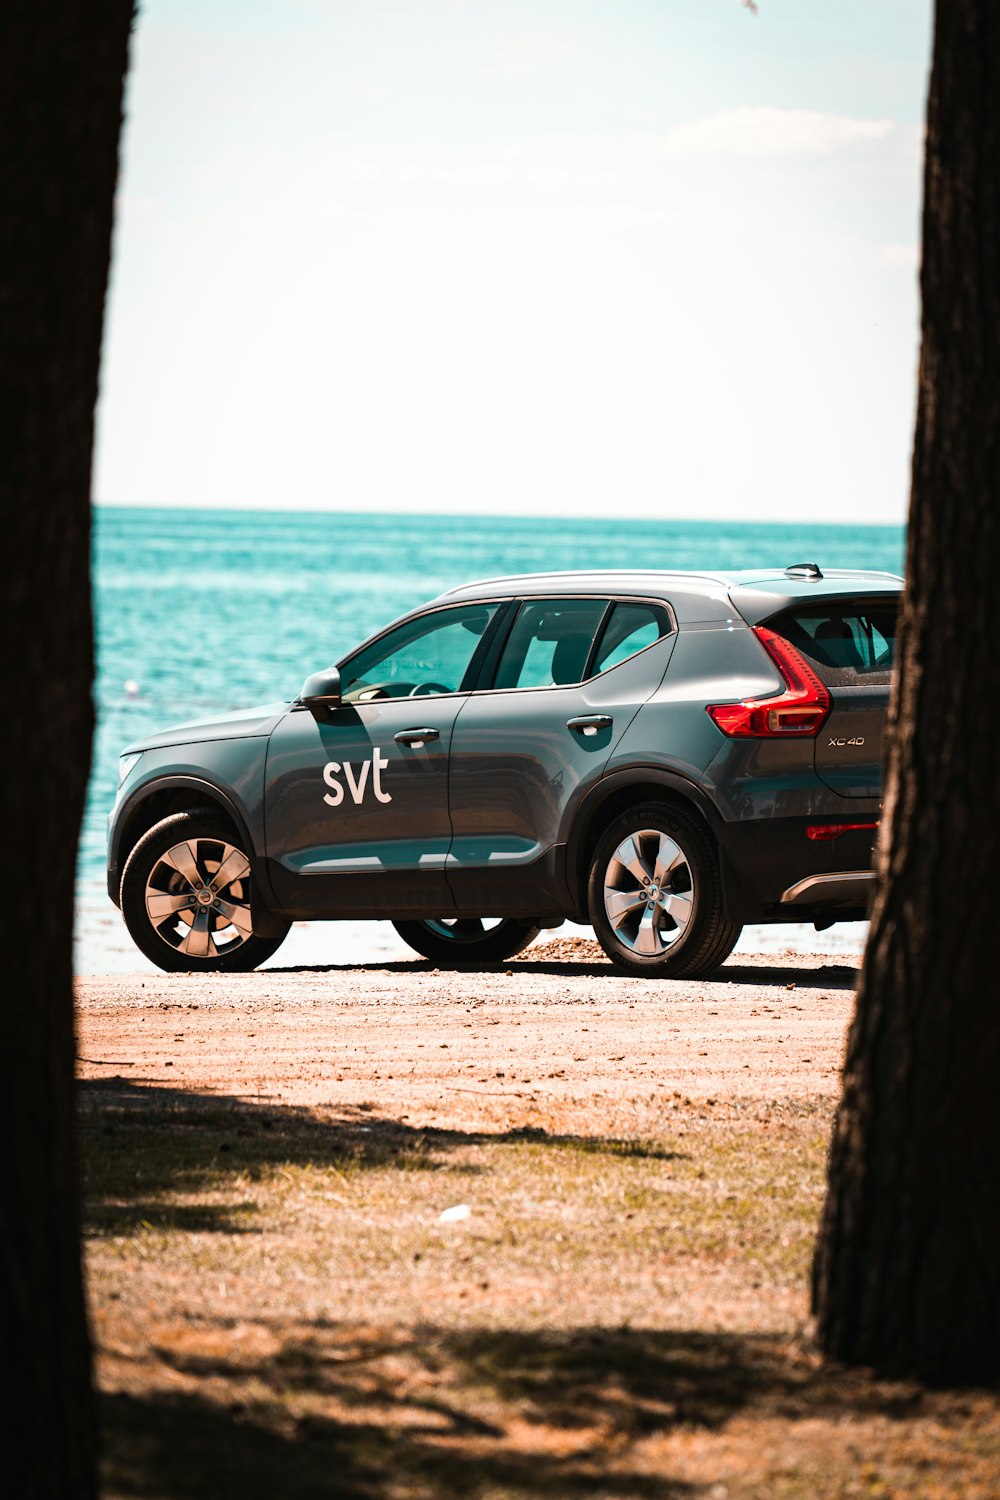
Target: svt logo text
[{"x": 357, "y": 782}]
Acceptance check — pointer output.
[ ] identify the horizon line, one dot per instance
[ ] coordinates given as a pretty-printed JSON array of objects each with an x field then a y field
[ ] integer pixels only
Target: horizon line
[{"x": 485, "y": 515}]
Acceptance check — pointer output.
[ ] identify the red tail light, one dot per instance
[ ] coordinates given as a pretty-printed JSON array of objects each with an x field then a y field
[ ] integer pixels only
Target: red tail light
[
  {"x": 799, "y": 710},
  {"x": 824, "y": 831}
]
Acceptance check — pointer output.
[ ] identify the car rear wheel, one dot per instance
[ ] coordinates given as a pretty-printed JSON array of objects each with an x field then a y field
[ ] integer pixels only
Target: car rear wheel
[
  {"x": 655, "y": 895},
  {"x": 455, "y": 941},
  {"x": 185, "y": 897}
]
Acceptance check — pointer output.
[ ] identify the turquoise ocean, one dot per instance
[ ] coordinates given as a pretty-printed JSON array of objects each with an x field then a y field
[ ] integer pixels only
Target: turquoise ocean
[{"x": 198, "y": 611}]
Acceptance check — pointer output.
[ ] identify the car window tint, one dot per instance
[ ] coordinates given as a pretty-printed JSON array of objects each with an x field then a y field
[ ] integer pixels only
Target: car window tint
[
  {"x": 549, "y": 643},
  {"x": 423, "y": 657},
  {"x": 629, "y": 628},
  {"x": 846, "y": 642}
]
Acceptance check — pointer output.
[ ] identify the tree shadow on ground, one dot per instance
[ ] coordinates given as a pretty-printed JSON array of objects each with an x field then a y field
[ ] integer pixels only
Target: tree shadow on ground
[
  {"x": 185, "y": 1447},
  {"x": 142, "y": 1142},
  {"x": 261, "y": 1407},
  {"x": 440, "y": 1413}
]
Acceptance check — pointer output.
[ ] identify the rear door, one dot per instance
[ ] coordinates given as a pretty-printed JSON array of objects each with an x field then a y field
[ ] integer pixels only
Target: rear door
[
  {"x": 570, "y": 676},
  {"x": 849, "y": 643}
]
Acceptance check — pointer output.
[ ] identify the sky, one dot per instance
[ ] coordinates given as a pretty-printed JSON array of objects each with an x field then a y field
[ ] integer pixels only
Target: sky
[{"x": 569, "y": 257}]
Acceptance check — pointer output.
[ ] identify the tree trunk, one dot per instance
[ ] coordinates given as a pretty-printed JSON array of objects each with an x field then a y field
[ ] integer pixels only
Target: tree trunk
[
  {"x": 907, "y": 1271},
  {"x": 62, "y": 66}
]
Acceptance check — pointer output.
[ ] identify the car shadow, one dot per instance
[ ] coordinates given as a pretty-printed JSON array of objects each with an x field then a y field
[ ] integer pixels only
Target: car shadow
[
  {"x": 831, "y": 976},
  {"x": 825, "y": 976}
]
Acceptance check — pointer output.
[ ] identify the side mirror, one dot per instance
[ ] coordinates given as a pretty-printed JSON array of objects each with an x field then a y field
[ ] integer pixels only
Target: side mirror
[{"x": 321, "y": 692}]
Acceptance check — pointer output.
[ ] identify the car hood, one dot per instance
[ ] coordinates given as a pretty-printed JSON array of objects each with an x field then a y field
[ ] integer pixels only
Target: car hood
[{"x": 244, "y": 724}]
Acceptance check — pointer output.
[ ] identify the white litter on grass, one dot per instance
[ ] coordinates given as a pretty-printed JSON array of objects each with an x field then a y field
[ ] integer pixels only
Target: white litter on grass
[{"x": 455, "y": 1214}]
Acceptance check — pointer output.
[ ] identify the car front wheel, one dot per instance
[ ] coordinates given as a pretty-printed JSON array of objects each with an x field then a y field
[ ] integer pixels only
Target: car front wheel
[
  {"x": 655, "y": 895},
  {"x": 185, "y": 897},
  {"x": 453, "y": 942}
]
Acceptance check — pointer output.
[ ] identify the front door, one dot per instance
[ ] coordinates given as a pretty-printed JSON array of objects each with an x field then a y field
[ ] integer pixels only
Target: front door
[{"x": 356, "y": 806}]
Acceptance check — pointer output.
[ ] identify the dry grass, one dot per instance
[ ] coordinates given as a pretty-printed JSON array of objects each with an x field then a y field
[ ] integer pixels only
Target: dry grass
[{"x": 281, "y": 1311}]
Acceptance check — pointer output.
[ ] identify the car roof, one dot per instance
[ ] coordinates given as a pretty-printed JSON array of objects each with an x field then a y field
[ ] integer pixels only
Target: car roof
[{"x": 756, "y": 593}]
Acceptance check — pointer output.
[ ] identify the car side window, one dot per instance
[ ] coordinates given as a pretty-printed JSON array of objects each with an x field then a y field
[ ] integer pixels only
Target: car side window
[
  {"x": 549, "y": 643},
  {"x": 629, "y": 628},
  {"x": 420, "y": 658}
]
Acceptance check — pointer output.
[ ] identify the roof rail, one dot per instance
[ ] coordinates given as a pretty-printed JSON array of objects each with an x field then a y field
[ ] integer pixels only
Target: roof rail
[{"x": 583, "y": 573}]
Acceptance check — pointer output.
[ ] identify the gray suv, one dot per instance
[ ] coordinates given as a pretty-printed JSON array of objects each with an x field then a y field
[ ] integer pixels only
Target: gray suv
[{"x": 667, "y": 756}]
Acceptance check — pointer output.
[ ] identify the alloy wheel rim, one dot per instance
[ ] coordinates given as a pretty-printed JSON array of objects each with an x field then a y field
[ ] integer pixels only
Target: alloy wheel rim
[
  {"x": 648, "y": 892},
  {"x": 198, "y": 898},
  {"x": 463, "y": 929}
]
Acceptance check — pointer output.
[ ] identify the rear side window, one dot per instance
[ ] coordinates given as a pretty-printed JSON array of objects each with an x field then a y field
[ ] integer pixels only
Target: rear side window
[
  {"x": 549, "y": 644},
  {"x": 847, "y": 642},
  {"x": 630, "y": 628}
]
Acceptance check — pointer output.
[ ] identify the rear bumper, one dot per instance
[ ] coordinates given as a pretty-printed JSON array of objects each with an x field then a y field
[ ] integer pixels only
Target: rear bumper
[
  {"x": 772, "y": 871},
  {"x": 846, "y": 888}
]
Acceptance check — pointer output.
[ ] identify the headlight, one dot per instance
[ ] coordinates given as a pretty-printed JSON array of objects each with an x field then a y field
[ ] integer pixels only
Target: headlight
[{"x": 125, "y": 764}]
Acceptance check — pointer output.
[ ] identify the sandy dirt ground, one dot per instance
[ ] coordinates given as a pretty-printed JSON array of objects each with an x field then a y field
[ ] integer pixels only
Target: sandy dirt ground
[{"x": 556, "y": 1039}]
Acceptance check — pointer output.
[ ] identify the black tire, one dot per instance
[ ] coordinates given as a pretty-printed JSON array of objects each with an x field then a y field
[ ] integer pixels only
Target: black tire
[
  {"x": 673, "y": 927},
  {"x": 221, "y": 924},
  {"x": 454, "y": 942}
]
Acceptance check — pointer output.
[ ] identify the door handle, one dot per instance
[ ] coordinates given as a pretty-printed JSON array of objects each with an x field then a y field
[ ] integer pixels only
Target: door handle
[
  {"x": 416, "y": 737},
  {"x": 590, "y": 723}
]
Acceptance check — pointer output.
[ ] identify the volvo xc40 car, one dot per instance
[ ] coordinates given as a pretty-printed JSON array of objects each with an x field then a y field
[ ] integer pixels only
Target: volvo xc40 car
[{"x": 666, "y": 756}]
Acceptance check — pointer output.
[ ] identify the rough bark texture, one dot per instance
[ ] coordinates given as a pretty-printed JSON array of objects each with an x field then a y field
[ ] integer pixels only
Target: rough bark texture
[
  {"x": 907, "y": 1271},
  {"x": 61, "y": 70}
]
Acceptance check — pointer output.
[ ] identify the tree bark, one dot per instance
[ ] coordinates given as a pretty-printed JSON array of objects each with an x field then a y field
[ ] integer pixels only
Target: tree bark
[
  {"x": 907, "y": 1271},
  {"x": 62, "y": 66}
]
